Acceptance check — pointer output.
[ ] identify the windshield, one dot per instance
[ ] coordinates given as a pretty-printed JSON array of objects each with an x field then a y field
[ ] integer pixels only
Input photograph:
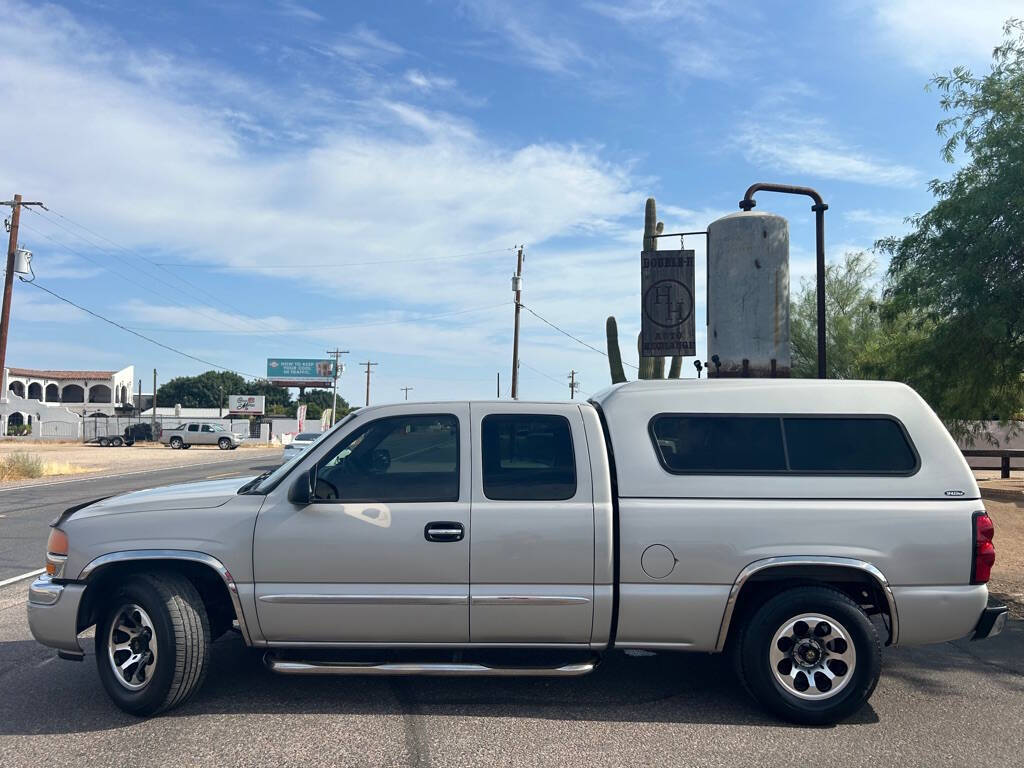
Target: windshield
[{"x": 271, "y": 480}]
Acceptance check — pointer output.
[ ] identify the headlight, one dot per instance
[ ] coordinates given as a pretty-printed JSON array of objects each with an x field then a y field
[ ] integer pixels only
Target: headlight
[{"x": 56, "y": 553}]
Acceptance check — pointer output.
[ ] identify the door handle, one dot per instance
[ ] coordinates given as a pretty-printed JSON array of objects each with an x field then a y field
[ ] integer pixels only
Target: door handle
[{"x": 444, "y": 530}]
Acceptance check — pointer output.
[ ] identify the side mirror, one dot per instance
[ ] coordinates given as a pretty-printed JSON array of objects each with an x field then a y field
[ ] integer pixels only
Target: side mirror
[{"x": 301, "y": 491}]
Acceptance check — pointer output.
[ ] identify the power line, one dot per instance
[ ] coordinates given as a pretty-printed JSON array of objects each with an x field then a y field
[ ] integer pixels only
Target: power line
[
  {"x": 546, "y": 376},
  {"x": 574, "y": 338},
  {"x": 331, "y": 327},
  {"x": 135, "y": 266},
  {"x": 98, "y": 316},
  {"x": 142, "y": 285},
  {"x": 326, "y": 265}
]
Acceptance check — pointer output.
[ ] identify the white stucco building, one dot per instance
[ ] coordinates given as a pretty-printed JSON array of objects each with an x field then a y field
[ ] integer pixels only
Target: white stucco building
[{"x": 83, "y": 392}]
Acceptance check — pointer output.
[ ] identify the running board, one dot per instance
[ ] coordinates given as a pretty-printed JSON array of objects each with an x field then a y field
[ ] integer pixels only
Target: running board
[{"x": 433, "y": 669}]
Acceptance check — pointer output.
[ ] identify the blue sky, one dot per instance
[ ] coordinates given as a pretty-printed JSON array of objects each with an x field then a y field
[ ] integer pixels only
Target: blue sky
[{"x": 243, "y": 180}]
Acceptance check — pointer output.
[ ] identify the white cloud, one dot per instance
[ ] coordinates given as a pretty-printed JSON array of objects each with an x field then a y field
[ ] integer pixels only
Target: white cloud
[
  {"x": 528, "y": 31},
  {"x": 299, "y": 11},
  {"x": 935, "y": 36},
  {"x": 427, "y": 82},
  {"x": 168, "y": 171},
  {"x": 631, "y": 11},
  {"x": 800, "y": 144},
  {"x": 364, "y": 45}
]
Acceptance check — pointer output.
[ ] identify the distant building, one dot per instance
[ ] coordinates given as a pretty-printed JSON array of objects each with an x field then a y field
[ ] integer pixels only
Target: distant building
[{"x": 83, "y": 392}]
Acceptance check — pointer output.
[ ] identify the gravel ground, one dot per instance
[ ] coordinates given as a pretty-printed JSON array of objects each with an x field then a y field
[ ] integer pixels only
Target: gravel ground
[
  {"x": 94, "y": 461},
  {"x": 1008, "y": 573}
]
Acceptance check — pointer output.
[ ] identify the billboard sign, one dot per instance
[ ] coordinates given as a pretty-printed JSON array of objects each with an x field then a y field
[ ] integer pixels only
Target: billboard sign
[
  {"x": 666, "y": 285},
  {"x": 247, "y": 404},
  {"x": 300, "y": 372}
]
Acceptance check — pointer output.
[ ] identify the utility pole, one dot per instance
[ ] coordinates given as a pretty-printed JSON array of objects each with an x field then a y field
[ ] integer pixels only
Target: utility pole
[
  {"x": 368, "y": 364},
  {"x": 499, "y": 385},
  {"x": 138, "y": 405},
  {"x": 573, "y": 385},
  {"x": 336, "y": 354},
  {"x": 406, "y": 390},
  {"x": 153, "y": 424},
  {"x": 12, "y": 250},
  {"x": 517, "y": 288}
]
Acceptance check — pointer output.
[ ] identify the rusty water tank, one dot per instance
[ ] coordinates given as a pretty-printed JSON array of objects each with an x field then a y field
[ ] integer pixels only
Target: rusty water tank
[{"x": 748, "y": 295}]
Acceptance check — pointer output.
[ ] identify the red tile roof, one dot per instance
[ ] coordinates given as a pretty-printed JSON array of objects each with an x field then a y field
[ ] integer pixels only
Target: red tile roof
[{"x": 74, "y": 375}]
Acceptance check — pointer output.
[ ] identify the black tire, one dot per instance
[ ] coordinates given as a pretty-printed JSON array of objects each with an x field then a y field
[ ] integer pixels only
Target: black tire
[
  {"x": 104, "y": 442},
  {"x": 182, "y": 633},
  {"x": 186, "y": 446},
  {"x": 176, "y": 443},
  {"x": 117, "y": 442},
  {"x": 755, "y": 670},
  {"x": 224, "y": 443}
]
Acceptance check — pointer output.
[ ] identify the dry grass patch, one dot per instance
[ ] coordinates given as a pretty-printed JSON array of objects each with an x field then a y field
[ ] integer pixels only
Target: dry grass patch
[{"x": 22, "y": 465}]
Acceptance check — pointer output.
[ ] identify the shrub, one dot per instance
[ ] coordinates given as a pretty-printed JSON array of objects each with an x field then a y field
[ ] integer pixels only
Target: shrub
[{"x": 21, "y": 465}]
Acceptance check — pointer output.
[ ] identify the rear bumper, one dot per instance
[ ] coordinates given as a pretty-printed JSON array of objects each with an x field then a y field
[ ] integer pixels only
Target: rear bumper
[
  {"x": 53, "y": 614},
  {"x": 936, "y": 614},
  {"x": 992, "y": 621}
]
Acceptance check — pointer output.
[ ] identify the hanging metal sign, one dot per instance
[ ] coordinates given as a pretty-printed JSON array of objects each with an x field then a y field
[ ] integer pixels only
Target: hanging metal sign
[{"x": 666, "y": 288}]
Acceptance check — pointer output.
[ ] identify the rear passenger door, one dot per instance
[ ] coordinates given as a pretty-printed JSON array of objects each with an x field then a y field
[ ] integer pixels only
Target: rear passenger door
[{"x": 532, "y": 547}]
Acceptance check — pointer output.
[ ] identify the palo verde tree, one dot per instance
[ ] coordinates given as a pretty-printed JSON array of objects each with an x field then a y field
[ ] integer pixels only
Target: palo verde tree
[
  {"x": 851, "y": 320},
  {"x": 954, "y": 298}
]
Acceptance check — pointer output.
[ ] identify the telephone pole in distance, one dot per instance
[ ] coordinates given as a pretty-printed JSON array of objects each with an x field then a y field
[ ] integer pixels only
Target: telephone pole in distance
[
  {"x": 573, "y": 385},
  {"x": 368, "y": 364},
  {"x": 406, "y": 390},
  {"x": 336, "y": 354},
  {"x": 517, "y": 288}
]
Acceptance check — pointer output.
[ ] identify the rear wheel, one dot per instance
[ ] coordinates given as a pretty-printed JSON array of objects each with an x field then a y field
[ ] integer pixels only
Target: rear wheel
[
  {"x": 153, "y": 643},
  {"x": 176, "y": 443},
  {"x": 104, "y": 442},
  {"x": 224, "y": 443},
  {"x": 810, "y": 655},
  {"x": 117, "y": 442}
]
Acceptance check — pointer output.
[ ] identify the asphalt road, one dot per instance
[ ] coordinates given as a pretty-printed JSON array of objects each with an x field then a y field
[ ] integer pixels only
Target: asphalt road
[
  {"x": 25, "y": 513},
  {"x": 955, "y": 704}
]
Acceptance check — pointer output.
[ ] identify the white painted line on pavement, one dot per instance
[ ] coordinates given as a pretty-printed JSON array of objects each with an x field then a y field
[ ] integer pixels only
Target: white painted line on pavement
[
  {"x": 121, "y": 474},
  {"x": 13, "y": 579}
]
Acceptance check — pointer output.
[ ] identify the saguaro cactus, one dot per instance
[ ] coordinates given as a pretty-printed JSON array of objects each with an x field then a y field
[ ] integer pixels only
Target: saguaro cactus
[{"x": 650, "y": 367}]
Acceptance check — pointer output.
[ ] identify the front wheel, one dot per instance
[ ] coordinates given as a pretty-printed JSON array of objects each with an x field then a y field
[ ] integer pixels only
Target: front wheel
[
  {"x": 117, "y": 442},
  {"x": 810, "y": 655},
  {"x": 153, "y": 643},
  {"x": 224, "y": 443},
  {"x": 104, "y": 442}
]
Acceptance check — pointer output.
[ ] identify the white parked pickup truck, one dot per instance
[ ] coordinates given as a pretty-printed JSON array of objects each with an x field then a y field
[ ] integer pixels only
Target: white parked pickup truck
[{"x": 797, "y": 525}]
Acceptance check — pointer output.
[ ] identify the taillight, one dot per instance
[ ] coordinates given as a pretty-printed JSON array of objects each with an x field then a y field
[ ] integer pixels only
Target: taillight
[{"x": 984, "y": 549}]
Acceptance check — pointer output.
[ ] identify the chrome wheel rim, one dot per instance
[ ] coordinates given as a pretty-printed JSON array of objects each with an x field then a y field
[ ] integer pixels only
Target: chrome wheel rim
[
  {"x": 132, "y": 647},
  {"x": 812, "y": 657}
]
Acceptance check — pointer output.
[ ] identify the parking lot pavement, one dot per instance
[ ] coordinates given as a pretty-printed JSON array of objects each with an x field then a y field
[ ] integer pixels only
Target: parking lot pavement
[{"x": 956, "y": 704}]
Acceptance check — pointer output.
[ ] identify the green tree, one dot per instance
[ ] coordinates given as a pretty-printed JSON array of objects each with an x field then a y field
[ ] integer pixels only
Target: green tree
[
  {"x": 954, "y": 298},
  {"x": 851, "y": 320},
  {"x": 207, "y": 390}
]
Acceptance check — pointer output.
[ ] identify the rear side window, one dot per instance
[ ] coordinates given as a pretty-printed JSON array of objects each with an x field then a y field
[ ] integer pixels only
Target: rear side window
[
  {"x": 806, "y": 445},
  {"x": 528, "y": 458},
  {"x": 848, "y": 445},
  {"x": 700, "y": 444},
  {"x": 193, "y": 427}
]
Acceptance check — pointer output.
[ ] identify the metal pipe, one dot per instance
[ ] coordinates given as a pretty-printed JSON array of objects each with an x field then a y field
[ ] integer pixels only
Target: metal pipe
[{"x": 819, "y": 208}]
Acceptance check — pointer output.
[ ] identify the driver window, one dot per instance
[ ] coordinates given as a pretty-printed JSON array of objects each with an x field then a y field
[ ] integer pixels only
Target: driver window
[{"x": 412, "y": 458}]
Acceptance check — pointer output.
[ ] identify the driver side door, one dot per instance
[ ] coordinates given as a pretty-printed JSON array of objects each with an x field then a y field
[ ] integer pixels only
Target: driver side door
[{"x": 381, "y": 555}]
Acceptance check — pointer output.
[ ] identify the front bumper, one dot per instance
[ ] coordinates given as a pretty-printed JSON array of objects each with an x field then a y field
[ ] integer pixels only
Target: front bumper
[
  {"x": 992, "y": 622},
  {"x": 53, "y": 613}
]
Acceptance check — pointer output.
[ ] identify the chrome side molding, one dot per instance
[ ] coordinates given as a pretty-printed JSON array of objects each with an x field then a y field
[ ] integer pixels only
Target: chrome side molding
[
  {"x": 327, "y": 599},
  {"x": 779, "y": 562},
  {"x": 439, "y": 669},
  {"x": 528, "y": 600},
  {"x": 175, "y": 554}
]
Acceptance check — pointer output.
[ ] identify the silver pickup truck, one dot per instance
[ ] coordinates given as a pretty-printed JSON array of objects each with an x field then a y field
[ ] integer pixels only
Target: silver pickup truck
[
  {"x": 199, "y": 433},
  {"x": 797, "y": 525}
]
